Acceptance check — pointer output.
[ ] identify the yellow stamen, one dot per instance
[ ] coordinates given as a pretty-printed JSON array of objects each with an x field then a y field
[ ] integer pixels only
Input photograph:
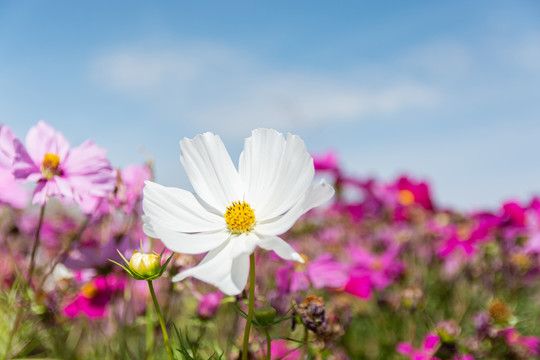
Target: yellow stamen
[
  {"x": 240, "y": 217},
  {"x": 405, "y": 197},
  {"x": 49, "y": 166},
  {"x": 89, "y": 290},
  {"x": 298, "y": 266},
  {"x": 463, "y": 232}
]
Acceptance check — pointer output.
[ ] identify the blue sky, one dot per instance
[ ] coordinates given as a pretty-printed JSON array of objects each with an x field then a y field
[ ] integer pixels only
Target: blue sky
[{"x": 445, "y": 91}]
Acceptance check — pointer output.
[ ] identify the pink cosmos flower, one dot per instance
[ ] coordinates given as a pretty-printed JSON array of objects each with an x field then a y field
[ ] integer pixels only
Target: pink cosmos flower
[
  {"x": 513, "y": 337},
  {"x": 75, "y": 174},
  {"x": 380, "y": 269},
  {"x": 359, "y": 285},
  {"x": 404, "y": 193},
  {"x": 209, "y": 304},
  {"x": 426, "y": 352},
  {"x": 94, "y": 297},
  {"x": 410, "y": 192},
  {"x": 327, "y": 161},
  {"x": 513, "y": 213},
  {"x": 324, "y": 272},
  {"x": 532, "y": 223},
  {"x": 280, "y": 350},
  {"x": 127, "y": 195},
  {"x": 12, "y": 193},
  {"x": 465, "y": 238},
  {"x": 132, "y": 179}
]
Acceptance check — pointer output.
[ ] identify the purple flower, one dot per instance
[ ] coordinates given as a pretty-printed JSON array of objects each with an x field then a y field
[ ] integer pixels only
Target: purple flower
[{"x": 76, "y": 174}]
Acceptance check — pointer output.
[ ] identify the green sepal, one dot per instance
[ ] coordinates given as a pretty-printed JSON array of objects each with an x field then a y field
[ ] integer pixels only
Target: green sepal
[{"x": 137, "y": 276}]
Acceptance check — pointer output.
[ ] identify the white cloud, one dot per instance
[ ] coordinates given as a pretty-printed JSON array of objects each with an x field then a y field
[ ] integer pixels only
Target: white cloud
[{"x": 225, "y": 91}]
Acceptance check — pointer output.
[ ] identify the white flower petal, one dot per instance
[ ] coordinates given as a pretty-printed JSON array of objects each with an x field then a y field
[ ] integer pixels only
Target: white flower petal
[
  {"x": 275, "y": 172},
  {"x": 316, "y": 195},
  {"x": 221, "y": 270},
  {"x": 194, "y": 243},
  {"x": 280, "y": 247},
  {"x": 211, "y": 171},
  {"x": 178, "y": 210},
  {"x": 243, "y": 244}
]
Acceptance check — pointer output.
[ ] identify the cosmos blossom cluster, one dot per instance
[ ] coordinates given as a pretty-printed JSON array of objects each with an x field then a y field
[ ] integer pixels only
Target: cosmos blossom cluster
[{"x": 379, "y": 271}]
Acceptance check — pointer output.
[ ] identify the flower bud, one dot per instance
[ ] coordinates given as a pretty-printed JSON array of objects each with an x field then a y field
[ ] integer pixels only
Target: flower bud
[
  {"x": 265, "y": 315},
  {"x": 313, "y": 314},
  {"x": 447, "y": 331},
  {"x": 145, "y": 264}
]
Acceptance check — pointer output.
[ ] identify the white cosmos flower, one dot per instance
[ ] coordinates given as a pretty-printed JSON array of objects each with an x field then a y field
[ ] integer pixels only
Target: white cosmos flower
[{"x": 232, "y": 212}]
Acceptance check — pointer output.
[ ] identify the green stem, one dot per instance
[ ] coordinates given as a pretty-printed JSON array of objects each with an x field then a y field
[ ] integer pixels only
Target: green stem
[
  {"x": 268, "y": 343},
  {"x": 251, "y": 305},
  {"x": 149, "y": 333},
  {"x": 305, "y": 346},
  {"x": 34, "y": 248},
  {"x": 161, "y": 322}
]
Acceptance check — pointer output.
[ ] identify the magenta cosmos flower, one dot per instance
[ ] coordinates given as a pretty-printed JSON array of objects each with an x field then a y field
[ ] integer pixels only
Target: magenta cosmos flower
[
  {"x": 94, "y": 297},
  {"x": 75, "y": 174}
]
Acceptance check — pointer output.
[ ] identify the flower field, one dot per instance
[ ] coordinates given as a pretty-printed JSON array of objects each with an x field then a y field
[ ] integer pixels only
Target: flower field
[{"x": 303, "y": 260}]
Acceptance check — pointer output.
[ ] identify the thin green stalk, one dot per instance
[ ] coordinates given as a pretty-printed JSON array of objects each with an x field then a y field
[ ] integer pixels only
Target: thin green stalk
[
  {"x": 305, "y": 346},
  {"x": 34, "y": 248},
  {"x": 161, "y": 322},
  {"x": 268, "y": 343},
  {"x": 251, "y": 305},
  {"x": 149, "y": 333}
]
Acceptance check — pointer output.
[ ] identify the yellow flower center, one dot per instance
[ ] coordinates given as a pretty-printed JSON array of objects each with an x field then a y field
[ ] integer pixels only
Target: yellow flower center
[
  {"x": 298, "y": 266},
  {"x": 49, "y": 166},
  {"x": 240, "y": 217},
  {"x": 405, "y": 197},
  {"x": 89, "y": 291}
]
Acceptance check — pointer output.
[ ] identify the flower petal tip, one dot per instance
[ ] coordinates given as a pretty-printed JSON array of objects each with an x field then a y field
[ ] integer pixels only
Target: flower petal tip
[{"x": 297, "y": 257}]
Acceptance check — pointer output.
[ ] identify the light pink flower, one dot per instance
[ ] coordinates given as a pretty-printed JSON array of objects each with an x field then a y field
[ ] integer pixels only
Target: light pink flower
[
  {"x": 127, "y": 195},
  {"x": 12, "y": 193},
  {"x": 324, "y": 272},
  {"x": 131, "y": 184},
  {"x": 76, "y": 174}
]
